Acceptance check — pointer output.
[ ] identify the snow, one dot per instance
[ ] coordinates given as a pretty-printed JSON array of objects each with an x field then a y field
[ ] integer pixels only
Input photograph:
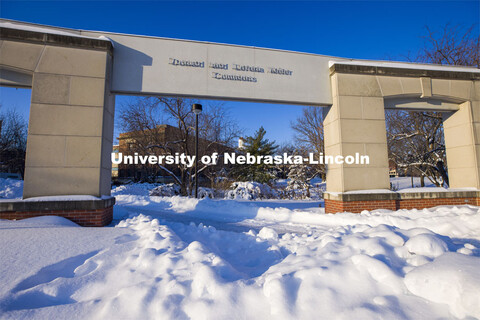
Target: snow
[
  {"x": 452, "y": 279},
  {"x": 402, "y": 183},
  {"x": 46, "y": 221},
  {"x": 436, "y": 189},
  {"x": 134, "y": 189},
  {"x": 250, "y": 190},
  {"x": 370, "y": 191},
  {"x": 66, "y": 198},
  {"x": 181, "y": 258},
  {"x": 167, "y": 190},
  {"x": 426, "y": 244},
  {"x": 268, "y": 234}
]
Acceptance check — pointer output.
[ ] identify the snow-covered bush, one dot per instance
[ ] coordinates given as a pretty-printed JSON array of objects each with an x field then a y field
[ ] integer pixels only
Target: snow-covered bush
[
  {"x": 166, "y": 190},
  {"x": 138, "y": 189},
  {"x": 297, "y": 177},
  {"x": 316, "y": 193},
  {"x": 300, "y": 186},
  {"x": 250, "y": 191},
  {"x": 206, "y": 193},
  {"x": 171, "y": 189}
]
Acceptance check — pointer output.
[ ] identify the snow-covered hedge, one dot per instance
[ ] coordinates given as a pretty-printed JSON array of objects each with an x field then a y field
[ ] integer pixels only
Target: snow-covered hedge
[
  {"x": 251, "y": 190},
  {"x": 238, "y": 190},
  {"x": 166, "y": 190},
  {"x": 171, "y": 189},
  {"x": 206, "y": 193},
  {"x": 138, "y": 189}
]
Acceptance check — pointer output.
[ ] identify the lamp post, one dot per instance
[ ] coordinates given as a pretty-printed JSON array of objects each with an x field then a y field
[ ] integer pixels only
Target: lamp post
[{"x": 197, "y": 109}]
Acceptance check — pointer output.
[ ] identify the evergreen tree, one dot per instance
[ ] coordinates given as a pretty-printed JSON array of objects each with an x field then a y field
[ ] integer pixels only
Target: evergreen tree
[
  {"x": 256, "y": 145},
  {"x": 298, "y": 185}
]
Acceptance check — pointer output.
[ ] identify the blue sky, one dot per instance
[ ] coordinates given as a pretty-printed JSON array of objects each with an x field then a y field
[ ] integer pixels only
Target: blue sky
[{"x": 376, "y": 30}]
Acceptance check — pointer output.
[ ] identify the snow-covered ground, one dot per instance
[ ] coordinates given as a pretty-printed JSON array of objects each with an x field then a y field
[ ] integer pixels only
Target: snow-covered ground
[
  {"x": 180, "y": 258},
  {"x": 400, "y": 183}
]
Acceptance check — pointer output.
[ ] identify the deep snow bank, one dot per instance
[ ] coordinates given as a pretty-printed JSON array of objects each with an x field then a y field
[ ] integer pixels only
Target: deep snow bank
[
  {"x": 456, "y": 221},
  {"x": 375, "y": 265},
  {"x": 452, "y": 279}
]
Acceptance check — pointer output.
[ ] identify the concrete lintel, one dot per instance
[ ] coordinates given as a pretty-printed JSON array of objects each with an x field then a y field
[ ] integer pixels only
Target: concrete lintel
[
  {"x": 402, "y": 72},
  {"x": 57, "y": 205},
  {"x": 346, "y": 197},
  {"x": 55, "y": 39}
]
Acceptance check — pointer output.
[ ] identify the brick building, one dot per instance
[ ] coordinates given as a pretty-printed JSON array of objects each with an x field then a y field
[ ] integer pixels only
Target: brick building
[{"x": 167, "y": 140}]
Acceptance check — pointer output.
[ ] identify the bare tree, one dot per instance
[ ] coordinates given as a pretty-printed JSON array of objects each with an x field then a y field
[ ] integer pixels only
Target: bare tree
[
  {"x": 219, "y": 126},
  {"x": 309, "y": 135},
  {"x": 13, "y": 142},
  {"x": 144, "y": 117},
  {"x": 452, "y": 45},
  {"x": 416, "y": 144}
]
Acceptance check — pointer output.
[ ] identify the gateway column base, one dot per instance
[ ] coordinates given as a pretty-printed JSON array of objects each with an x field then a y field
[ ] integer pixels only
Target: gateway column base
[{"x": 357, "y": 202}]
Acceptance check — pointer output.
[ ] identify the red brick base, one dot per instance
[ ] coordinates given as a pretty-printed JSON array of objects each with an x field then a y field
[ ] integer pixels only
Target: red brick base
[
  {"x": 429, "y": 203},
  {"x": 333, "y": 206},
  {"x": 85, "y": 218}
]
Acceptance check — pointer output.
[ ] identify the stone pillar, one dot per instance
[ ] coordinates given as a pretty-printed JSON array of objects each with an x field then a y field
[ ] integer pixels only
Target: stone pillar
[
  {"x": 462, "y": 142},
  {"x": 71, "y": 123},
  {"x": 356, "y": 123}
]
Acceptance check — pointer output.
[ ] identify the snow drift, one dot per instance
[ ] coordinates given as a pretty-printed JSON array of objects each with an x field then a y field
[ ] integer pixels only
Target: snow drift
[{"x": 408, "y": 264}]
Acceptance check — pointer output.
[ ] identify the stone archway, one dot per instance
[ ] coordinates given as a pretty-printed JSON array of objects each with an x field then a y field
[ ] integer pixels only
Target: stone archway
[
  {"x": 356, "y": 123},
  {"x": 70, "y": 129}
]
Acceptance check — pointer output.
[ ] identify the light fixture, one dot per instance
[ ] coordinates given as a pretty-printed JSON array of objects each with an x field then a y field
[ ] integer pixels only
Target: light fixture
[{"x": 197, "y": 109}]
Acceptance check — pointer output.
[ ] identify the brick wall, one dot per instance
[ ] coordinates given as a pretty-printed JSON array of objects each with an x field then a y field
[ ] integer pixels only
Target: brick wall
[
  {"x": 84, "y": 218},
  {"x": 333, "y": 206},
  {"x": 429, "y": 203}
]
